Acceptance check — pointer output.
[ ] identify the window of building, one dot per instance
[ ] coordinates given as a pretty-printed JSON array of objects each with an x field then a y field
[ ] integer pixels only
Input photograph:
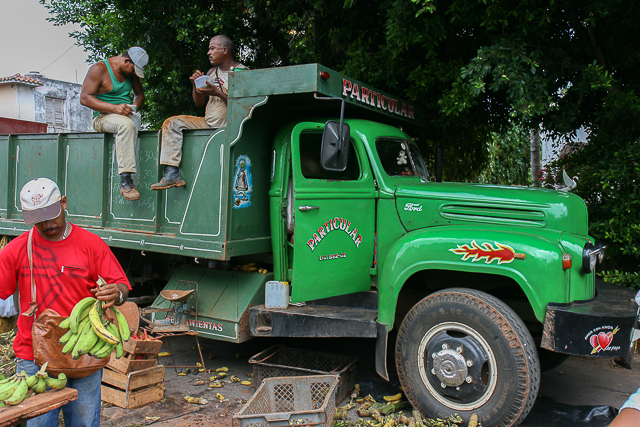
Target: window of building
[{"x": 55, "y": 113}]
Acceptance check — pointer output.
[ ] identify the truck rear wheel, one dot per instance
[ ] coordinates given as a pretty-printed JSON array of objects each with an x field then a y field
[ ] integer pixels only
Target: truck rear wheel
[{"x": 463, "y": 351}]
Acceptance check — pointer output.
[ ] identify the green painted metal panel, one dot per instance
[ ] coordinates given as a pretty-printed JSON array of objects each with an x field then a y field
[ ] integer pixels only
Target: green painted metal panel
[
  {"x": 452, "y": 203},
  {"x": 334, "y": 220},
  {"x": 224, "y": 298},
  {"x": 308, "y": 79},
  {"x": 35, "y": 156},
  {"x": 249, "y": 171},
  {"x": 81, "y": 184},
  {"x": 204, "y": 210},
  {"x": 139, "y": 215},
  {"x": 451, "y": 249},
  {"x": 274, "y": 81}
]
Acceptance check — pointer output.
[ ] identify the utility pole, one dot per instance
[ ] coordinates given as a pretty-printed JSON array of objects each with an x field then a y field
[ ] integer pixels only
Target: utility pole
[{"x": 535, "y": 156}]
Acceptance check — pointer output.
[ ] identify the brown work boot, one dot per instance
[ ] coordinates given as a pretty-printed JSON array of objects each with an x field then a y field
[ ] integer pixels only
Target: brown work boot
[
  {"x": 128, "y": 188},
  {"x": 171, "y": 178}
]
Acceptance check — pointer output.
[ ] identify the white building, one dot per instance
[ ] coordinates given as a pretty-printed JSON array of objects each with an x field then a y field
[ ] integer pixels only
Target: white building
[
  {"x": 36, "y": 98},
  {"x": 554, "y": 148}
]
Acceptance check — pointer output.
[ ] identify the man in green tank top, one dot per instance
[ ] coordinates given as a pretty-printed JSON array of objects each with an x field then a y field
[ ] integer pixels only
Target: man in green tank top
[{"x": 107, "y": 91}]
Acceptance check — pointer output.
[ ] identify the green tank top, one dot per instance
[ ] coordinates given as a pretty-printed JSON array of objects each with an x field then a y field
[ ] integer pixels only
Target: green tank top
[{"x": 120, "y": 92}]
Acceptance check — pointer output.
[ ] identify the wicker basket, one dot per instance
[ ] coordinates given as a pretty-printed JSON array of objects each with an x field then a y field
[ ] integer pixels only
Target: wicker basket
[
  {"x": 280, "y": 361},
  {"x": 286, "y": 401}
]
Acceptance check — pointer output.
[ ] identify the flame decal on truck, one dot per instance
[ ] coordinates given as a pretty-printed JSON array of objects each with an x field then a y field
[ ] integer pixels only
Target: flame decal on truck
[{"x": 503, "y": 253}]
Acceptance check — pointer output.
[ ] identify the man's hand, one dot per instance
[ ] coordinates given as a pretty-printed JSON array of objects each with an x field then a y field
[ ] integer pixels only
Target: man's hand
[
  {"x": 122, "y": 109},
  {"x": 109, "y": 293},
  {"x": 195, "y": 75},
  {"x": 211, "y": 90}
]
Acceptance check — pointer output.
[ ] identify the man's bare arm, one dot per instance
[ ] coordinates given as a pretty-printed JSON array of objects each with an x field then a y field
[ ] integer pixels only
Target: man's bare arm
[
  {"x": 90, "y": 88},
  {"x": 138, "y": 94}
]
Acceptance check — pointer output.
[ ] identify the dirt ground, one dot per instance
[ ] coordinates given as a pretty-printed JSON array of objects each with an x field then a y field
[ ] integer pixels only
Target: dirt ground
[{"x": 578, "y": 381}]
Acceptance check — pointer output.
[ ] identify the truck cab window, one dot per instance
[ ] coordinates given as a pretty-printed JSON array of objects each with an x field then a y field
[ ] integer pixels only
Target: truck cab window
[
  {"x": 310, "y": 145},
  {"x": 400, "y": 157}
]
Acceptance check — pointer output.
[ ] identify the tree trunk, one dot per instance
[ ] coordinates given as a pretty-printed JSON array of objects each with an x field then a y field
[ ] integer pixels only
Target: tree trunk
[{"x": 535, "y": 156}]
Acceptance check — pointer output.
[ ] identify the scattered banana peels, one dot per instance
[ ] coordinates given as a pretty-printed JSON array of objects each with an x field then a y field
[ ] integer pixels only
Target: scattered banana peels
[
  {"x": 389, "y": 414},
  {"x": 196, "y": 400}
]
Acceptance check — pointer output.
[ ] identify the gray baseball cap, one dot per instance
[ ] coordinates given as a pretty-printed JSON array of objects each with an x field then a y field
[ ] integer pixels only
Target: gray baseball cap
[{"x": 140, "y": 59}]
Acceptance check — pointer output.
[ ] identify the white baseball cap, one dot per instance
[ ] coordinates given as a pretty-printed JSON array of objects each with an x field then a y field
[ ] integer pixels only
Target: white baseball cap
[
  {"x": 40, "y": 200},
  {"x": 140, "y": 59}
]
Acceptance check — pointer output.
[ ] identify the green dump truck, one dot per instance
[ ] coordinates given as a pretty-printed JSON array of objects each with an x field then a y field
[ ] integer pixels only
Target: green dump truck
[{"x": 317, "y": 180}]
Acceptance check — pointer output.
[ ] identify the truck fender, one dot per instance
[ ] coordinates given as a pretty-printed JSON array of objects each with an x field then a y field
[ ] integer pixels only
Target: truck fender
[{"x": 430, "y": 249}]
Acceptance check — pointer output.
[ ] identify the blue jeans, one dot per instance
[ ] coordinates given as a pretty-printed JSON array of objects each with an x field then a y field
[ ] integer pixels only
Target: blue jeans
[{"x": 82, "y": 412}]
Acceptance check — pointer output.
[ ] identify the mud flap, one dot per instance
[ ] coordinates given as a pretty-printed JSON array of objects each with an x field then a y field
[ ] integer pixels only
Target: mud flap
[{"x": 382, "y": 340}]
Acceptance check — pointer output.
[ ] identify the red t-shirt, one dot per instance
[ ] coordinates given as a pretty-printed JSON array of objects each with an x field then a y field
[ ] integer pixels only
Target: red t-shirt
[{"x": 64, "y": 272}]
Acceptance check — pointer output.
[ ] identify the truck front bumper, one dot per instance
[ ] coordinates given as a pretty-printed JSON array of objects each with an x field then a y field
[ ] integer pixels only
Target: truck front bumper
[{"x": 605, "y": 326}]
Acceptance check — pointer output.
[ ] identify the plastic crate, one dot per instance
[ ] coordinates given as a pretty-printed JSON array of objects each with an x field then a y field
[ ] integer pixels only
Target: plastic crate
[
  {"x": 286, "y": 401},
  {"x": 280, "y": 361}
]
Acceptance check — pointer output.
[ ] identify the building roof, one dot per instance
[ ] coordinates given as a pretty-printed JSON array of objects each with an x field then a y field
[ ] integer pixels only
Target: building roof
[{"x": 17, "y": 78}]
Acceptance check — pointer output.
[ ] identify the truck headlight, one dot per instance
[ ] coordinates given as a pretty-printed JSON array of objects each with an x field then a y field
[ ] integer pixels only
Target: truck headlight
[{"x": 592, "y": 255}]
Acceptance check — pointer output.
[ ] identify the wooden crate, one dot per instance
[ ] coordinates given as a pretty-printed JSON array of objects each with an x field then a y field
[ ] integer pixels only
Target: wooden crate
[
  {"x": 134, "y": 389},
  {"x": 138, "y": 355}
]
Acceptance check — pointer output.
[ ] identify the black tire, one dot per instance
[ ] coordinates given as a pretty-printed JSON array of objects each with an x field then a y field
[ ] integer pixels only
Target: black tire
[{"x": 479, "y": 347}]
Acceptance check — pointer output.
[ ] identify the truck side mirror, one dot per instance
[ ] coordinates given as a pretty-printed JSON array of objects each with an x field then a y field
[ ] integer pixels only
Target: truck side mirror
[{"x": 335, "y": 146}]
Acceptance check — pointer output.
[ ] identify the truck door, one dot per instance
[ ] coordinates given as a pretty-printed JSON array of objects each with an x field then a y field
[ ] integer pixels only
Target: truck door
[{"x": 334, "y": 219}]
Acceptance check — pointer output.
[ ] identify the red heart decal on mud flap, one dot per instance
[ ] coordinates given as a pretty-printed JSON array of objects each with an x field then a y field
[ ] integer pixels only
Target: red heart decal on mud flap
[
  {"x": 604, "y": 340},
  {"x": 593, "y": 339}
]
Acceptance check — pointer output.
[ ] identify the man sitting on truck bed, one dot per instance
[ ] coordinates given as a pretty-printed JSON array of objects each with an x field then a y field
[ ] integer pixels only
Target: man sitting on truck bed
[
  {"x": 213, "y": 94},
  {"x": 107, "y": 90}
]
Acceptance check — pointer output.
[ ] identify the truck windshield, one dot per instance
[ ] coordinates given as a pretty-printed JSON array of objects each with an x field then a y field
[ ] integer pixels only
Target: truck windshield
[{"x": 401, "y": 157}]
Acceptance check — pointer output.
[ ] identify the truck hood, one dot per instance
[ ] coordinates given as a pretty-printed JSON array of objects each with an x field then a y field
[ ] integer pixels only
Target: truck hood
[{"x": 432, "y": 204}]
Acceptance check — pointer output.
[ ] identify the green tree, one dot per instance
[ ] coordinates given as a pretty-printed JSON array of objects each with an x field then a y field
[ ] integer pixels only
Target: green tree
[{"x": 508, "y": 157}]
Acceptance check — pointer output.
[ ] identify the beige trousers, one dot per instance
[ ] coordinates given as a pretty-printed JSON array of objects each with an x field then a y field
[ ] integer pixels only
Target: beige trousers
[
  {"x": 171, "y": 152},
  {"x": 126, "y": 130}
]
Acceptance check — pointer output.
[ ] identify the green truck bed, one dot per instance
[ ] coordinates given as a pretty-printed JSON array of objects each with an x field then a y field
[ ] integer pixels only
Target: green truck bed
[{"x": 209, "y": 218}]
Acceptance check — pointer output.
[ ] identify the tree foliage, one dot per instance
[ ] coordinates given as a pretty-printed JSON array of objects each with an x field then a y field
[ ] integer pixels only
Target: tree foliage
[
  {"x": 508, "y": 157},
  {"x": 475, "y": 65}
]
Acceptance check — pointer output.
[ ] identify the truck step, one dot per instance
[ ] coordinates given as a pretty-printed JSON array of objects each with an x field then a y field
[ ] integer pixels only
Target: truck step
[{"x": 318, "y": 319}]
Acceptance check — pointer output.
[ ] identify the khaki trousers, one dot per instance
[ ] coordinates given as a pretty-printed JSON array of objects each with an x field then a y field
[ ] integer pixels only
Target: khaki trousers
[
  {"x": 171, "y": 152},
  {"x": 126, "y": 130}
]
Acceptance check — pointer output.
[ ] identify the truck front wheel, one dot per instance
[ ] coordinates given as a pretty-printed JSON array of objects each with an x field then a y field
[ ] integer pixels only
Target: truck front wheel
[{"x": 463, "y": 351}]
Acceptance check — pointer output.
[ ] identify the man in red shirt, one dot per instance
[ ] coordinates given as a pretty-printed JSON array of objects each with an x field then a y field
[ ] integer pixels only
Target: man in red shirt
[{"x": 67, "y": 261}]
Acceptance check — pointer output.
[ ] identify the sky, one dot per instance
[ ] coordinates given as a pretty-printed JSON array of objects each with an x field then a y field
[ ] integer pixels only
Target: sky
[{"x": 31, "y": 43}]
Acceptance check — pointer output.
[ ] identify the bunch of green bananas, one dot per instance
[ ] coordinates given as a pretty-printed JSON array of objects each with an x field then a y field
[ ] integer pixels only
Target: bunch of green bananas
[
  {"x": 90, "y": 333},
  {"x": 15, "y": 389}
]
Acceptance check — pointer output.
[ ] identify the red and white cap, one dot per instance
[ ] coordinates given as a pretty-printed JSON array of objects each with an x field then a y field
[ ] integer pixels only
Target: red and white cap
[{"x": 40, "y": 200}]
